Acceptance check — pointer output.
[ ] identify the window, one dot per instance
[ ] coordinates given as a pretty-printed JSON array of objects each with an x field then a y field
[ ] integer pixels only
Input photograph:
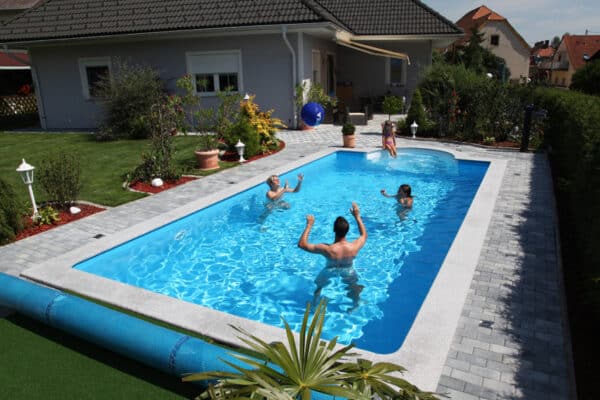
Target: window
[
  {"x": 395, "y": 72},
  {"x": 495, "y": 40},
  {"x": 316, "y": 66},
  {"x": 92, "y": 71},
  {"x": 215, "y": 71}
]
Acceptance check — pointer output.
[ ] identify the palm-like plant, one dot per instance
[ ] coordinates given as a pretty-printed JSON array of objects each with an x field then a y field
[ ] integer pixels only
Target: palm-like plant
[{"x": 309, "y": 364}]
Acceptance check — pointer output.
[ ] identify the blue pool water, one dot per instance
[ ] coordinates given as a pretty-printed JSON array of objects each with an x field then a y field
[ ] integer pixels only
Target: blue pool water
[{"x": 241, "y": 257}]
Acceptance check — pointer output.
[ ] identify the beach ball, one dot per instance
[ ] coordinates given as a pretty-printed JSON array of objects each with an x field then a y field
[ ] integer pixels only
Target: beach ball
[{"x": 312, "y": 114}]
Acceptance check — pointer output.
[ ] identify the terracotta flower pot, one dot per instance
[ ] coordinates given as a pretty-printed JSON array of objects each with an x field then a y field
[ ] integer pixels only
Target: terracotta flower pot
[
  {"x": 349, "y": 140},
  {"x": 208, "y": 159}
]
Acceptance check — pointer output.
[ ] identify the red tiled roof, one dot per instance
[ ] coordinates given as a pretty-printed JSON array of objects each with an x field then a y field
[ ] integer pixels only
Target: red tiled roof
[
  {"x": 14, "y": 59},
  {"x": 578, "y": 45},
  {"x": 478, "y": 17},
  {"x": 547, "y": 52}
]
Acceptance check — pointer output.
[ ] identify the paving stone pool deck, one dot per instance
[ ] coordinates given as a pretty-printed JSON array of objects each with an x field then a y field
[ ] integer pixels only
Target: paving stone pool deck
[{"x": 512, "y": 337}]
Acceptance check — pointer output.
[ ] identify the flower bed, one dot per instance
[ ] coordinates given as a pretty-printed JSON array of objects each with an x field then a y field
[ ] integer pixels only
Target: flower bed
[
  {"x": 148, "y": 188},
  {"x": 65, "y": 217}
]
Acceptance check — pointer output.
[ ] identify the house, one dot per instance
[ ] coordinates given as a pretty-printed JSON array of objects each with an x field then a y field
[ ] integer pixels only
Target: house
[
  {"x": 262, "y": 47},
  {"x": 573, "y": 52},
  {"x": 500, "y": 38},
  {"x": 540, "y": 62}
]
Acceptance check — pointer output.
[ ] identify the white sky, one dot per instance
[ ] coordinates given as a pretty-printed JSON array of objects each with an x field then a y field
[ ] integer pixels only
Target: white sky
[{"x": 535, "y": 20}]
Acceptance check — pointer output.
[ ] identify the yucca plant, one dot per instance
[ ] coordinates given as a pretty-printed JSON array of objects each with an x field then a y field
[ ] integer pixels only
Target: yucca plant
[{"x": 307, "y": 364}]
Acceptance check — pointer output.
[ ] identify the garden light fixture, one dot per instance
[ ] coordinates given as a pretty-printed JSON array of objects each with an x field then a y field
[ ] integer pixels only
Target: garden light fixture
[
  {"x": 239, "y": 146},
  {"x": 26, "y": 172},
  {"x": 246, "y": 97},
  {"x": 413, "y": 129}
]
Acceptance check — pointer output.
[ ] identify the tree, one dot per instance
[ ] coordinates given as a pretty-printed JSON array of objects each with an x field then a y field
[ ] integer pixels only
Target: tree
[
  {"x": 392, "y": 105},
  {"x": 473, "y": 52},
  {"x": 312, "y": 364},
  {"x": 555, "y": 42},
  {"x": 416, "y": 112},
  {"x": 587, "y": 78}
]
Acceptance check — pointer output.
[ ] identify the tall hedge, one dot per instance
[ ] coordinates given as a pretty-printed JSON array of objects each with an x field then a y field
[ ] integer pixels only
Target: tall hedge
[{"x": 572, "y": 132}]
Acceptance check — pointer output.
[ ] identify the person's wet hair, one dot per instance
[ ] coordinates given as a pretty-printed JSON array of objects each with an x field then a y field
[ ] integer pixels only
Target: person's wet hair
[
  {"x": 406, "y": 189},
  {"x": 341, "y": 227}
]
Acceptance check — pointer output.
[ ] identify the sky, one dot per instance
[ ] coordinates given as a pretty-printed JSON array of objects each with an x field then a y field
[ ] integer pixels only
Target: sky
[{"x": 535, "y": 20}]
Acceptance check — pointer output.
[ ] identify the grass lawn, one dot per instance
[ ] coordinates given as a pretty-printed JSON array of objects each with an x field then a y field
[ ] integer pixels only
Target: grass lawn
[
  {"x": 40, "y": 362},
  {"x": 102, "y": 163}
]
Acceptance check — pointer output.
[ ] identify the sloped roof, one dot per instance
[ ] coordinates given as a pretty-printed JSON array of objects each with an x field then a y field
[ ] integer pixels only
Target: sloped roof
[
  {"x": 479, "y": 17},
  {"x": 61, "y": 19},
  {"x": 578, "y": 45},
  {"x": 544, "y": 52}
]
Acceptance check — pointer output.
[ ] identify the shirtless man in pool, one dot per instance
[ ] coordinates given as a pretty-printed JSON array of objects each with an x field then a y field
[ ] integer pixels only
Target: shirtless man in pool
[{"x": 340, "y": 254}]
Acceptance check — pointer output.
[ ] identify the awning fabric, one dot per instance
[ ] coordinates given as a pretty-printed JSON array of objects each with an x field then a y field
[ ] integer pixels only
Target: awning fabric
[{"x": 372, "y": 50}]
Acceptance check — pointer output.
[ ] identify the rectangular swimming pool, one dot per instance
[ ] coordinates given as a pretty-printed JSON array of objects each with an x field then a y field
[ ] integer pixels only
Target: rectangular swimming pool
[{"x": 239, "y": 256}]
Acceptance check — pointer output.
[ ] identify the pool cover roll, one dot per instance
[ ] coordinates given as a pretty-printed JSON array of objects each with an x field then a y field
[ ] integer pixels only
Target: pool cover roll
[
  {"x": 155, "y": 346},
  {"x": 161, "y": 348}
]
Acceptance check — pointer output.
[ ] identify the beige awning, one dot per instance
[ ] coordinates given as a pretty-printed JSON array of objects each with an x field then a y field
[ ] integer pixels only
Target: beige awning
[{"x": 372, "y": 50}]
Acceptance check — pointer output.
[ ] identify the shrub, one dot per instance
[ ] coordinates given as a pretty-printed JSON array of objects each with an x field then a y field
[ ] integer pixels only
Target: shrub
[
  {"x": 11, "y": 213},
  {"x": 127, "y": 97},
  {"x": 47, "y": 216},
  {"x": 243, "y": 130},
  {"x": 392, "y": 105},
  {"x": 59, "y": 177},
  {"x": 416, "y": 112},
  {"x": 587, "y": 79},
  {"x": 263, "y": 122},
  {"x": 348, "y": 128}
]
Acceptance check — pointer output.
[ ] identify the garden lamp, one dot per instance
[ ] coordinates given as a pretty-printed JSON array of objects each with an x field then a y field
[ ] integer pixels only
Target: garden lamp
[
  {"x": 413, "y": 129},
  {"x": 239, "y": 146},
  {"x": 26, "y": 172},
  {"x": 246, "y": 97}
]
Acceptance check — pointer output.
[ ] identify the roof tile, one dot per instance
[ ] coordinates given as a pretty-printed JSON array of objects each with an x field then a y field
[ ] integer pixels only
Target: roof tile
[{"x": 55, "y": 19}]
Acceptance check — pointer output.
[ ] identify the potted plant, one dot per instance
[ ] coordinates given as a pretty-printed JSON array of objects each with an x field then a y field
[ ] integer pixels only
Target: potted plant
[
  {"x": 207, "y": 152},
  {"x": 348, "y": 130}
]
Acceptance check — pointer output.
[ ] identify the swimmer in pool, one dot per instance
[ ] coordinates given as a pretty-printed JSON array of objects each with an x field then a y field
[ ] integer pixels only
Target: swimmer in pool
[
  {"x": 340, "y": 254},
  {"x": 276, "y": 191}
]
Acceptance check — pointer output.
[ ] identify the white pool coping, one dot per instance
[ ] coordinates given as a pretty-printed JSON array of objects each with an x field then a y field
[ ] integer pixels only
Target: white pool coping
[{"x": 426, "y": 345}]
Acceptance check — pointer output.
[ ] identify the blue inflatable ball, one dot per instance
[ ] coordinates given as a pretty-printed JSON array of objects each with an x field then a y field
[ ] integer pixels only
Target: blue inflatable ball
[{"x": 312, "y": 114}]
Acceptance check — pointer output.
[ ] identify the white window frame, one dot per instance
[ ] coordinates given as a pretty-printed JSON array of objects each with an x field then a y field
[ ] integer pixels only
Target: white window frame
[
  {"x": 388, "y": 73},
  {"x": 190, "y": 70},
  {"x": 86, "y": 62}
]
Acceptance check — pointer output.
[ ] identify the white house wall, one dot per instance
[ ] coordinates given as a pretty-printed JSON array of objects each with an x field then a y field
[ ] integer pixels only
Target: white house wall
[
  {"x": 266, "y": 72},
  {"x": 510, "y": 48}
]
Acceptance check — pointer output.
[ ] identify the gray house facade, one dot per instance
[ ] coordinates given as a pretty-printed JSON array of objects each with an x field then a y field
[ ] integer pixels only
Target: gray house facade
[{"x": 357, "y": 50}]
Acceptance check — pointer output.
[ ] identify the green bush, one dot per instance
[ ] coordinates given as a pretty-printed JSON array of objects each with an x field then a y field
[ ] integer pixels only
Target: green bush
[
  {"x": 47, "y": 216},
  {"x": 248, "y": 134},
  {"x": 127, "y": 97},
  {"x": 59, "y": 177},
  {"x": 392, "y": 105},
  {"x": 11, "y": 213},
  {"x": 587, "y": 79},
  {"x": 416, "y": 111}
]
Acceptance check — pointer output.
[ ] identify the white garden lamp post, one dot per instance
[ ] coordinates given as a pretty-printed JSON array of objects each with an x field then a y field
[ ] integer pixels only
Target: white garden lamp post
[
  {"x": 246, "y": 97},
  {"x": 26, "y": 172},
  {"x": 239, "y": 146},
  {"x": 413, "y": 129}
]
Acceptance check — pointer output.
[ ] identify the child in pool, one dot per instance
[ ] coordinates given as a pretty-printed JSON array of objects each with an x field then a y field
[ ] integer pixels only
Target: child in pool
[
  {"x": 388, "y": 138},
  {"x": 403, "y": 196}
]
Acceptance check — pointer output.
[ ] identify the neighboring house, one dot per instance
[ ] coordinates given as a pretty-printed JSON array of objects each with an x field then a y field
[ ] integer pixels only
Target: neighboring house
[
  {"x": 14, "y": 65},
  {"x": 500, "y": 38},
  {"x": 262, "y": 47},
  {"x": 572, "y": 53},
  {"x": 540, "y": 62}
]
